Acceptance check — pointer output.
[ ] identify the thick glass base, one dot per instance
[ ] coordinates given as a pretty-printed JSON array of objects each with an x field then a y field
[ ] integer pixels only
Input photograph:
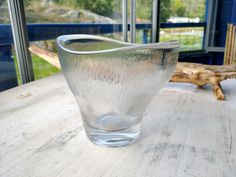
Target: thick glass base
[{"x": 113, "y": 138}]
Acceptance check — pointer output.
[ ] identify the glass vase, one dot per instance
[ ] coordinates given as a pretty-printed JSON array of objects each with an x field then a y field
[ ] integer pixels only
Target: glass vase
[{"x": 113, "y": 82}]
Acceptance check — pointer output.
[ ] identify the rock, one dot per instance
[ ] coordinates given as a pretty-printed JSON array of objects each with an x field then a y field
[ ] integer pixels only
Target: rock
[
  {"x": 46, "y": 3},
  {"x": 51, "y": 3},
  {"x": 55, "y": 11},
  {"x": 97, "y": 18},
  {"x": 73, "y": 14}
]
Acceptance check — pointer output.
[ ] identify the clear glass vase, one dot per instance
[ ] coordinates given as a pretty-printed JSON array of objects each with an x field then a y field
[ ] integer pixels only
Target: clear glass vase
[{"x": 113, "y": 82}]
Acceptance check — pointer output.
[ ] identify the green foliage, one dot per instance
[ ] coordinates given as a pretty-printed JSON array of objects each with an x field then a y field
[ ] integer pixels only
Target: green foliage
[
  {"x": 102, "y": 7},
  {"x": 190, "y": 8},
  {"x": 181, "y": 11},
  {"x": 165, "y": 6},
  {"x": 41, "y": 68},
  {"x": 27, "y": 2},
  {"x": 201, "y": 11},
  {"x": 178, "y": 8},
  {"x": 168, "y": 8},
  {"x": 144, "y": 9},
  {"x": 187, "y": 42},
  {"x": 71, "y": 3},
  {"x": 2, "y": 2}
]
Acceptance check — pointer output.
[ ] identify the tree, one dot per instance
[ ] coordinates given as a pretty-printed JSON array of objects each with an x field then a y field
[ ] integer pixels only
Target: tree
[
  {"x": 178, "y": 8},
  {"x": 102, "y": 7},
  {"x": 201, "y": 11},
  {"x": 180, "y": 11},
  {"x": 145, "y": 9},
  {"x": 165, "y": 6}
]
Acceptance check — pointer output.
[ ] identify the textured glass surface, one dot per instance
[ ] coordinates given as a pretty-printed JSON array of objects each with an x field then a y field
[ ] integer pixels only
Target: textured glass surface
[{"x": 113, "y": 83}]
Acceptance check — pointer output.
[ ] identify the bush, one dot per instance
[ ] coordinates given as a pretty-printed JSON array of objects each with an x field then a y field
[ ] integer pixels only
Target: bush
[{"x": 102, "y": 7}]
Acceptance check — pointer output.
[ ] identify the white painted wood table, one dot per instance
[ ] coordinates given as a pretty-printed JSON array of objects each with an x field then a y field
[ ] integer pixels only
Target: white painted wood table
[{"x": 186, "y": 133}]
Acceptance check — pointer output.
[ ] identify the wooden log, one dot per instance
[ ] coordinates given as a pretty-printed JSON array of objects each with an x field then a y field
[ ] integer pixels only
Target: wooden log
[
  {"x": 48, "y": 56},
  {"x": 198, "y": 74}
]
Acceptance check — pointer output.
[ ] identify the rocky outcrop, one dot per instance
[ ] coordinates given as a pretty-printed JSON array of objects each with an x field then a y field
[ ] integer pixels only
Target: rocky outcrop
[
  {"x": 97, "y": 18},
  {"x": 54, "y": 11},
  {"x": 46, "y": 3},
  {"x": 78, "y": 15},
  {"x": 46, "y": 10},
  {"x": 72, "y": 14}
]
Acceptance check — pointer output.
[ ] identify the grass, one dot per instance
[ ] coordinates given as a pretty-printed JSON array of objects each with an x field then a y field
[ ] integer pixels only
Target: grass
[
  {"x": 41, "y": 68},
  {"x": 187, "y": 42},
  {"x": 190, "y": 38}
]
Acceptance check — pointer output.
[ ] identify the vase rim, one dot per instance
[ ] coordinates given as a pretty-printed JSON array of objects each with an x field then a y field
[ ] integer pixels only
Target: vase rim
[{"x": 61, "y": 41}]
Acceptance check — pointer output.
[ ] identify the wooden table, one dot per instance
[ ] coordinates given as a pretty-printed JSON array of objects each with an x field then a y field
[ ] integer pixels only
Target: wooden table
[{"x": 186, "y": 133}]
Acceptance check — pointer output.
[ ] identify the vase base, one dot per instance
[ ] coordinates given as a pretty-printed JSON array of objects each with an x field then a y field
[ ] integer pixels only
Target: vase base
[{"x": 113, "y": 138}]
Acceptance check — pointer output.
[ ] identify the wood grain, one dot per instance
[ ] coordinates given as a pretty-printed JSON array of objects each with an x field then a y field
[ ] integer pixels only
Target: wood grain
[
  {"x": 227, "y": 41},
  {"x": 234, "y": 49},
  {"x": 230, "y": 45},
  {"x": 200, "y": 75},
  {"x": 185, "y": 133}
]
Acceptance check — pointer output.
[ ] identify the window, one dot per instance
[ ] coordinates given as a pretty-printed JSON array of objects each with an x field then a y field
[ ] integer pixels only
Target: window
[{"x": 183, "y": 20}]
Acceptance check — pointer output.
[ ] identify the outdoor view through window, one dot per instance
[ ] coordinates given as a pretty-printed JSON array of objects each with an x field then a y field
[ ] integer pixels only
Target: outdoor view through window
[{"x": 110, "y": 12}]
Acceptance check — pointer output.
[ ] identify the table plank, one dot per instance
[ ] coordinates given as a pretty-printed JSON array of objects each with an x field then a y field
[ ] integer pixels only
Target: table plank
[{"x": 185, "y": 133}]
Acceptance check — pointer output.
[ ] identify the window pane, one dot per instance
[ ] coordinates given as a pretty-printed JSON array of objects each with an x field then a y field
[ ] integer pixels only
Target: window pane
[
  {"x": 66, "y": 12},
  {"x": 190, "y": 38},
  {"x": 143, "y": 16},
  {"x": 183, "y": 11},
  {"x": 73, "y": 11},
  {"x": 177, "y": 11},
  {"x": 8, "y": 78}
]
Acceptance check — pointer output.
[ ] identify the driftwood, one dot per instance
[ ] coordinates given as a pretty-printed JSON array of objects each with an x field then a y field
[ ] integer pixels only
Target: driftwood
[
  {"x": 194, "y": 73},
  {"x": 201, "y": 75}
]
